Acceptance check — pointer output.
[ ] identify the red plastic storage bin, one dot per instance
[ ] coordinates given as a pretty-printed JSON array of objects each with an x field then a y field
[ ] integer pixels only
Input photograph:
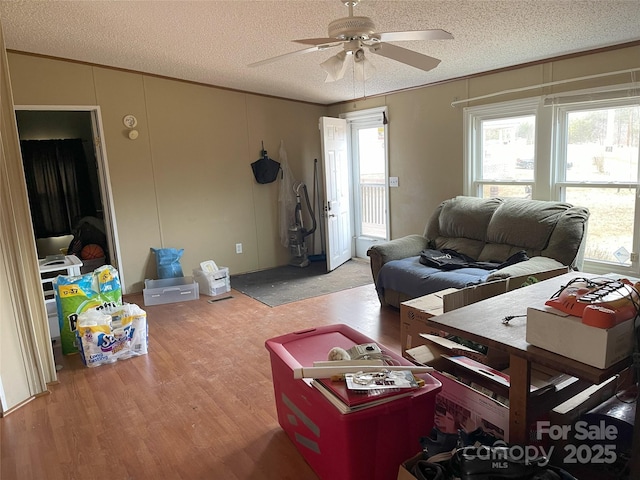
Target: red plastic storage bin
[{"x": 367, "y": 444}]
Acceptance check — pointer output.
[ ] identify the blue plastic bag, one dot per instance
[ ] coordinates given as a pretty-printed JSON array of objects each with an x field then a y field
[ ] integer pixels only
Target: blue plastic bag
[{"x": 168, "y": 262}]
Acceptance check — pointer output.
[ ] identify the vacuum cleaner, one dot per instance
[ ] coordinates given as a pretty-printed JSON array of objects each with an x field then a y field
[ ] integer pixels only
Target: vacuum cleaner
[{"x": 297, "y": 232}]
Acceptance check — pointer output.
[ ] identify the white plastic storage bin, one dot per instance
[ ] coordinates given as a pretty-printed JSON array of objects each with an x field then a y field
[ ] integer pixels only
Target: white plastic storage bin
[
  {"x": 170, "y": 290},
  {"x": 213, "y": 283}
]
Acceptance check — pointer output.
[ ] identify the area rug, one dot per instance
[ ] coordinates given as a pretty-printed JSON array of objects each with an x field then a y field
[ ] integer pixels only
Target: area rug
[{"x": 287, "y": 284}]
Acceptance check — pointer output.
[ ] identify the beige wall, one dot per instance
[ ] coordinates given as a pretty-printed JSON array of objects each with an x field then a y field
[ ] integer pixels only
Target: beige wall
[
  {"x": 186, "y": 182},
  {"x": 426, "y": 132}
]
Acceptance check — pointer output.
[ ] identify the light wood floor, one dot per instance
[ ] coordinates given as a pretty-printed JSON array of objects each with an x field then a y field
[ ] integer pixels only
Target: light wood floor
[{"x": 200, "y": 405}]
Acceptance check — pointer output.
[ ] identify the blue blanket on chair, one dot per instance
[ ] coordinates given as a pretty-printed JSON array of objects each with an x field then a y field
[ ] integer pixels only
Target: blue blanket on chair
[{"x": 412, "y": 278}]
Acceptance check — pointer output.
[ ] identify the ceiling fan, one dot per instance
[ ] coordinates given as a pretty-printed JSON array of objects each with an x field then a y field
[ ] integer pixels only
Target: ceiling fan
[{"x": 357, "y": 34}]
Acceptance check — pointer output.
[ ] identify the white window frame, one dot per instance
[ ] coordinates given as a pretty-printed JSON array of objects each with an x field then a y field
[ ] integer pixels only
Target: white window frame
[
  {"x": 548, "y": 181},
  {"x": 472, "y": 149},
  {"x": 560, "y": 184}
]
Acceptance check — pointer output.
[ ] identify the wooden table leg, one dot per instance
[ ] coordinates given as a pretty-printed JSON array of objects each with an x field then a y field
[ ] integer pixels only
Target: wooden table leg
[{"x": 520, "y": 375}]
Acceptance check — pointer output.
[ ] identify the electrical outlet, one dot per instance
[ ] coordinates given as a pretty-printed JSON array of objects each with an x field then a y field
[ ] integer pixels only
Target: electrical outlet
[{"x": 238, "y": 248}]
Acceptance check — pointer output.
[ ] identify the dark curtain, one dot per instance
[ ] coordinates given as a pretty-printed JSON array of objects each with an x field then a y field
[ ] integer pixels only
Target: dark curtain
[{"x": 58, "y": 185}]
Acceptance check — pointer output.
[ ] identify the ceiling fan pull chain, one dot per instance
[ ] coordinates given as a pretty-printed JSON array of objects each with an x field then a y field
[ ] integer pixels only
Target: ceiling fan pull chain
[
  {"x": 353, "y": 77},
  {"x": 364, "y": 82}
]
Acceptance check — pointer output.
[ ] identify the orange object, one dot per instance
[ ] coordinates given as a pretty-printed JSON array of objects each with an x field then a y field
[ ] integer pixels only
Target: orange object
[
  {"x": 91, "y": 251},
  {"x": 601, "y": 305}
]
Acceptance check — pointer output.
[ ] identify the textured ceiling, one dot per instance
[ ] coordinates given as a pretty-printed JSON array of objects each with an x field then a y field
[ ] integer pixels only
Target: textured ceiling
[{"x": 212, "y": 42}]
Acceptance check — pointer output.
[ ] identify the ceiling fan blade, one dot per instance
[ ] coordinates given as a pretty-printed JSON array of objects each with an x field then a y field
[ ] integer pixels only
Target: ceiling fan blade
[
  {"x": 435, "y": 34},
  {"x": 403, "y": 55},
  {"x": 319, "y": 41},
  {"x": 281, "y": 57}
]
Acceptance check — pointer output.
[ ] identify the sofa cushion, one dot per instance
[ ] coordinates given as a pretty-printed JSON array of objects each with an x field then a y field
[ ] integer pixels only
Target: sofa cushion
[
  {"x": 567, "y": 242},
  {"x": 460, "y": 224},
  {"x": 521, "y": 224},
  {"x": 529, "y": 267},
  {"x": 467, "y": 217},
  {"x": 414, "y": 279}
]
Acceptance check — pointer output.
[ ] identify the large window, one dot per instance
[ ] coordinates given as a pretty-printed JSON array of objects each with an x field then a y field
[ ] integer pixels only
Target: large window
[
  {"x": 584, "y": 153},
  {"x": 596, "y": 157},
  {"x": 503, "y": 146}
]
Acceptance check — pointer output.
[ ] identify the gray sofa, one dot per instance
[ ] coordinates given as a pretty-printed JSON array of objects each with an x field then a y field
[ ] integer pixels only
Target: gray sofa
[{"x": 488, "y": 230}]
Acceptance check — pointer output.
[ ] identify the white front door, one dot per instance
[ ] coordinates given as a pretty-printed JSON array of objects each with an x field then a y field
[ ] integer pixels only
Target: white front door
[{"x": 337, "y": 207}]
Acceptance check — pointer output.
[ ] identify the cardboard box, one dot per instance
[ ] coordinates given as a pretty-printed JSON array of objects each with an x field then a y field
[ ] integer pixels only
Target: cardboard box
[
  {"x": 524, "y": 280},
  {"x": 567, "y": 413},
  {"x": 406, "y": 467},
  {"x": 566, "y": 335},
  {"x": 414, "y": 314},
  {"x": 492, "y": 358},
  {"x": 482, "y": 291},
  {"x": 473, "y": 294},
  {"x": 459, "y": 405}
]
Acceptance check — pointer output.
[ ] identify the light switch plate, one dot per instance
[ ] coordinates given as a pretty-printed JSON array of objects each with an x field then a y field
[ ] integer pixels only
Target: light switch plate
[{"x": 393, "y": 181}]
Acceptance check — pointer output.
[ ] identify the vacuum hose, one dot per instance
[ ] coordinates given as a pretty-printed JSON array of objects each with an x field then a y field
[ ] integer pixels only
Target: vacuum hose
[{"x": 298, "y": 212}]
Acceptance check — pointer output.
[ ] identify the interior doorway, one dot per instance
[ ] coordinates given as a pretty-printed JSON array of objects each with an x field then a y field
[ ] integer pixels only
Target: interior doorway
[{"x": 68, "y": 182}]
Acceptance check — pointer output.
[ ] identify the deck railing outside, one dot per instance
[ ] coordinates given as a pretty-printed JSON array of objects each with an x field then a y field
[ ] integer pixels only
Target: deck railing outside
[{"x": 373, "y": 210}]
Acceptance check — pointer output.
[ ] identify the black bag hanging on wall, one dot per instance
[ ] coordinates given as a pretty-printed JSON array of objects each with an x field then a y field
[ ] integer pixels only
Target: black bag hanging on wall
[{"x": 265, "y": 169}]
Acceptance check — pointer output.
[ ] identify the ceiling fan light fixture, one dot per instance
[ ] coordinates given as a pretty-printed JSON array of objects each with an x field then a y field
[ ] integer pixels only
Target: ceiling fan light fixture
[
  {"x": 363, "y": 69},
  {"x": 335, "y": 66}
]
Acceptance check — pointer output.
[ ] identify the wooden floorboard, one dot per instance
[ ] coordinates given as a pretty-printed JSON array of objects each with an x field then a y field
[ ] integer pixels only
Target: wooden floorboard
[{"x": 200, "y": 405}]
